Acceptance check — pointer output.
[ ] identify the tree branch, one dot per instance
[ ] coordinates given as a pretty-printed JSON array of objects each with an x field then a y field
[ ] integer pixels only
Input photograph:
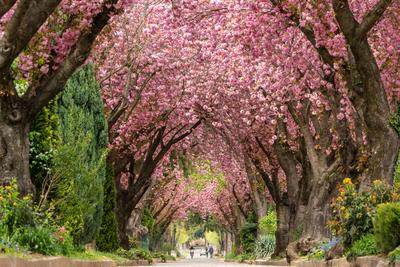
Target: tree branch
[
  {"x": 51, "y": 86},
  {"x": 372, "y": 18},
  {"x": 29, "y": 16},
  {"x": 327, "y": 58},
  {"x": 267, "y": 180},
  {"x": 347, "y": 22},
  {"x": 239, "y": 205},
  {"x": 5, "y": 6}
]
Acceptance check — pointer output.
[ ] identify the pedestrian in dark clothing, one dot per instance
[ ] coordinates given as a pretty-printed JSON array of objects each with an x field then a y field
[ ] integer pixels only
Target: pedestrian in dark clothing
[
  {"x": 211, "y": 251},
  {"x": 191, "y": 251}
]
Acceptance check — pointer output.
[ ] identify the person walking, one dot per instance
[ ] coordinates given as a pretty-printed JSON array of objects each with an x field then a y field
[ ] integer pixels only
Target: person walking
[
  {"x": 211, "y": 251},
  {"x": 206, "y": 250},
  {"x": 191, "y": 251}
]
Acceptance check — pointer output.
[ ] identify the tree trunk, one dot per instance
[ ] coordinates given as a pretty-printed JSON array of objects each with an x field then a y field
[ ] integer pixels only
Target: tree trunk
[
  {"x": 282, "y": 233},
  {"x": 236, "y": 248},
  {"x": 317, "y": 211},
  {"x": 128, "y": 210},
  {"x": 123, "y": 214},
  {"x": 383, "y": 141},
  {"x": 289, "y": 221},
  {"x": 14, "y": 147},
  {"x": 258, "y": 189},
  {"x": 315, "y": 222}
]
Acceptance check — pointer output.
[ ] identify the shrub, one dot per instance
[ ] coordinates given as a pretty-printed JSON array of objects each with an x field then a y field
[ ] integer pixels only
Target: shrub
[
  {"x": 245, "y": 257},
  {"x": 230, "y": 256},
  {"x": 135, "y": 254},
  {"x": 268, "y": 223},
  {"x": 265, "y": 246},
  {"x": 37, "y": 239},
  {"x": 353, "y": 211},
  {"x": 43, "y": 139},
  {"x": 317, "y": 254},
  {"x": 322, "y": 250},
  {"x": 387, "y": 225},
  {"x": 394, "y": 255},
  {"x": 23, "y": 228},
  {"x": 248, "y": 234},
  {"x": 15, "y": 212},
  {"x": 163, "y": 256},
  {"x": 364, "y": 246}
]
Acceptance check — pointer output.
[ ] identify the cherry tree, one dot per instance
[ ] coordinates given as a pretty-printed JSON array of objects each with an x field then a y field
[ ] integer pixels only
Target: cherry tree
[
  {"x": 304, "y": 77},
  {"x": 143, "y": 78},
  {"x": 42, "y": 43}
]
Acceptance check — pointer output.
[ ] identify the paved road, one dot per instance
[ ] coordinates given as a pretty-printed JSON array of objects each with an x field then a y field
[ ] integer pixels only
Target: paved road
[{"x": 200, "y": 262}]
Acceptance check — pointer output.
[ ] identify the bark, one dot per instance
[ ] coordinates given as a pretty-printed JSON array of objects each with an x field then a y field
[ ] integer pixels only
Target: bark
[
  {"x": 259, "y": 200},
  {"x": 14, "y": 145},
  {"x": 283, "y": 229},
  {"x": 126, "y": 203}
]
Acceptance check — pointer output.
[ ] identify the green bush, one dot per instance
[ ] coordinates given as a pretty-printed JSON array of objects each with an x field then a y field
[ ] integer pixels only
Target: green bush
[
  {"x": 268, "y": 223},
  {"x": 22, "y": 228},
  {"x": 15, "y": 212},
  {"x": 43, "y": 139},
  {"x": 316, "y": 254},
  {"x": 230, "y": 256},
  {"x": 395, "y": 255},
  {"x": 387, "y": 225},
  {"x": 42, "y": 239},
  {"x": 135, "y": 254},
  {"x": 353, "y": 211},
  {"x": 163, "y": 256},
  {"x": 245, "y": 257},
  {"x": 265, "y": 246},
  {"x": 248, "y": 234},
  {"x": 364, "y": 246}
]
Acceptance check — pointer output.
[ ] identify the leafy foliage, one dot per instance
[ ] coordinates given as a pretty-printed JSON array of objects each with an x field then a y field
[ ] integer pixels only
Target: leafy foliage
[
  {"x": 44, "y": 139},
  {"x": 321, "y": 250},
  {"x": 80, "y": 160},
  {"x": 22, "y": 228},
  {"x": 265, "y": 246},
  {"x": 43, "y": 239},
  {"x": 248, "y": 234},
  {"x": 134, "y": 254},
  {"x": 395, "y": 255},
  {"x": 353, "y": 211},
  {"x": 267, "y": 224},
  {"x": 364, "y": 246},
  {"x": 212, "y": 238},
  {"x": 387, "y": 225},
  {"x": 107, "y": 239}
]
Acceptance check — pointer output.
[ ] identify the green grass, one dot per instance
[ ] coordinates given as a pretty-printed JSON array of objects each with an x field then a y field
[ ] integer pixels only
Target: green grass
[{"x": 97, "y": 255}]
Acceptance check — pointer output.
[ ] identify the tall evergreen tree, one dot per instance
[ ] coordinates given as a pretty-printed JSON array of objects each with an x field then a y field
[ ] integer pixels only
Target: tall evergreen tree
[
  {"x": 107, "y": 239},
  {"x": 80, "y": 159}
]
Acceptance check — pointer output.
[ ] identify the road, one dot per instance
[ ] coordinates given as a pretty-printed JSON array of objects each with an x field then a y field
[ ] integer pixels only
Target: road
[{"x": 200, "y": 262}]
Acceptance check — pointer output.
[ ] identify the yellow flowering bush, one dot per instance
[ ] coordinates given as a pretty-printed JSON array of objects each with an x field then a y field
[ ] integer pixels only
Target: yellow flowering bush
[
  {"x": 15, "y": 212},
  {"x": 23, "y": 228},
  {"x": 353, "y": 211}
]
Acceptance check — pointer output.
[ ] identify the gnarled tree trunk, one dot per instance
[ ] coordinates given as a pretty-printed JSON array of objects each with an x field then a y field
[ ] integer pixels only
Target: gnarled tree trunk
[{"x": 14, "y": 145}]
